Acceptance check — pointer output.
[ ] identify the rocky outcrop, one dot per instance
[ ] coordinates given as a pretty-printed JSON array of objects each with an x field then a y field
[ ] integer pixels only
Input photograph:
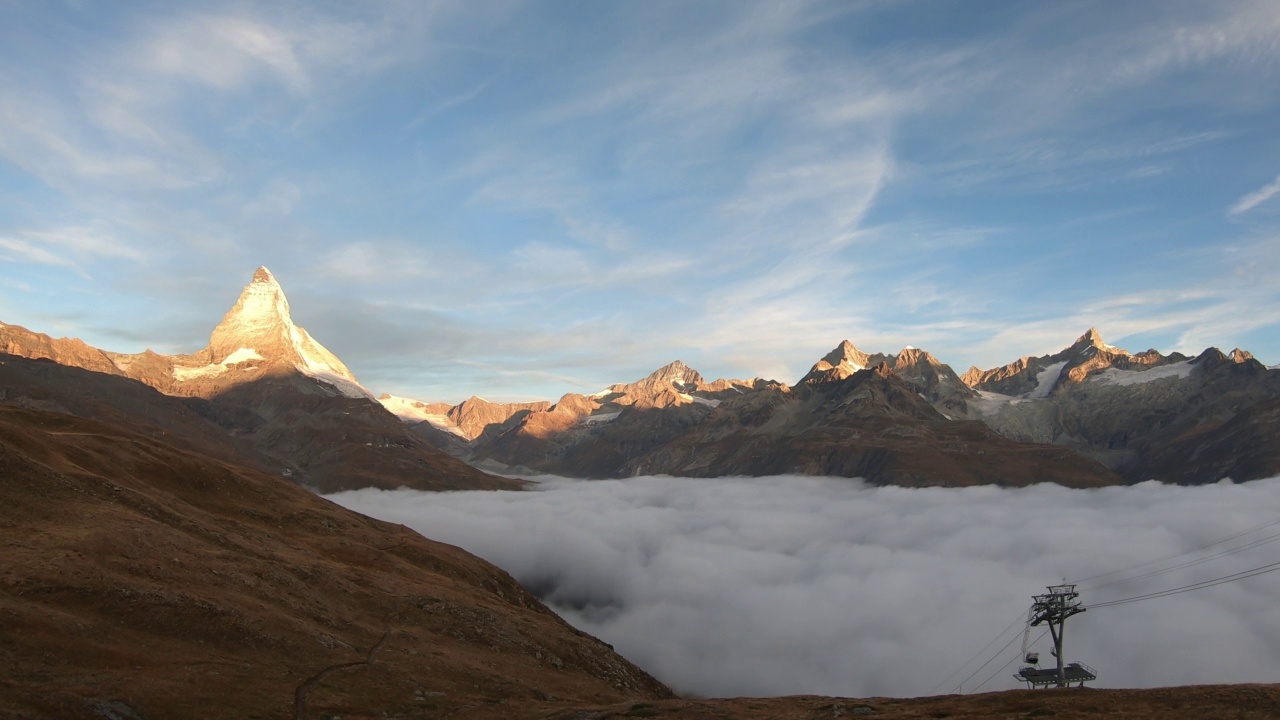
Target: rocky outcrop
[{"x": 475, "y": 416}]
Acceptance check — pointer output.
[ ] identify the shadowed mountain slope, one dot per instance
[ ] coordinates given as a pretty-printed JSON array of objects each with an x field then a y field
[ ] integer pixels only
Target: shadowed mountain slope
[{"x": 278, "y": 424}]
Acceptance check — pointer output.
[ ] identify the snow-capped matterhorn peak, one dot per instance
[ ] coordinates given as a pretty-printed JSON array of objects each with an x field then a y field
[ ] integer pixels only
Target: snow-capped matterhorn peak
[
  {"x": 259, "y": 328},
  {"x": 257, "y": 320}
]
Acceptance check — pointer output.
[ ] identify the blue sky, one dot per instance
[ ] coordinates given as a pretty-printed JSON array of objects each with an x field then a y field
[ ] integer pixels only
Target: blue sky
[{"x": 521, "y": 199}]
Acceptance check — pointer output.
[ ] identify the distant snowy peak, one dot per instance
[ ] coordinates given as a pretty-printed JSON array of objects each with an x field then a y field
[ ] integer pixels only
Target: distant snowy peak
[
  {"x": 673, "y": 376},
  {"x": 1092, "y": 341},
  {"x": 840, "y": 363},
  {"x": 259, "y": 327},
  {"x": 1089, "y": 357},
  {"x": 676, "y": 372}
]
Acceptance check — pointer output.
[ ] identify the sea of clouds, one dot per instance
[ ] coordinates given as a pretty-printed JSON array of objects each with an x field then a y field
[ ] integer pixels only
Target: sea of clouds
[{"x": 790, "y": 585}]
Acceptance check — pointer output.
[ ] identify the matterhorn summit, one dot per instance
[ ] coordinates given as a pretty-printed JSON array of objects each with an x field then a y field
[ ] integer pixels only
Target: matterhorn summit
[{"x": 258, "y": 332}]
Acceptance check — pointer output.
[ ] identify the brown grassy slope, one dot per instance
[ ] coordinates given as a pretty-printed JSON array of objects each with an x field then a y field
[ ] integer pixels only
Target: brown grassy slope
[{"x": 142, "y": 580}]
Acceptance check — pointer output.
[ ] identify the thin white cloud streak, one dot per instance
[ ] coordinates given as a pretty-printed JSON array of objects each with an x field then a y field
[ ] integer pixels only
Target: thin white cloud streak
[
  {"x": 68, "y": 247},
  {"x": 1245, "y": 31},
  {"x": 372, "y": 261},
  {"x": 225, "y": 51},
  {"x": 1255, "y": 198},
  {"x": 775, "y": 586},
  {"x": 449, "y": 104}
]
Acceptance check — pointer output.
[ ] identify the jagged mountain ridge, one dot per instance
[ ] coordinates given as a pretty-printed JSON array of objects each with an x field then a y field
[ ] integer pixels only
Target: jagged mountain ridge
[
  {"x": 1041, "y": 376},
  {"x": 1126, "y": 411},
  {"x": 881, "y": 424}
]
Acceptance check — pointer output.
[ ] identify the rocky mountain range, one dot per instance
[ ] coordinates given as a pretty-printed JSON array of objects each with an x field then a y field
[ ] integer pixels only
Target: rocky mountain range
[{"x": 1091, "y": 414}]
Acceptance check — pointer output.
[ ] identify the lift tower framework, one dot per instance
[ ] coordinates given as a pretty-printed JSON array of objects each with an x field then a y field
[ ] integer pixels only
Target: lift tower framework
[{"x": 1053, "y": 609}]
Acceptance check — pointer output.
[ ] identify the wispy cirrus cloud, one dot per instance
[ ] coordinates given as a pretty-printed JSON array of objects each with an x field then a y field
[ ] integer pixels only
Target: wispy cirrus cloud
[
  {"x": 1255, "y": 198},
  {"x": 68, "y": 247}
]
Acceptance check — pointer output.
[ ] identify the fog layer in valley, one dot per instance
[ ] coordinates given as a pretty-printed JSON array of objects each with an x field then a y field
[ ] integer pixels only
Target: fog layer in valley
[{"x": 786, "y": 585}]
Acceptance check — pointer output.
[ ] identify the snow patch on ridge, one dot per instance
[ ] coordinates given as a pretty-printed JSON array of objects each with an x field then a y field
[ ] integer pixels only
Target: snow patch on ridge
[
  {"x": 989, "y": 403},
  {"x": 242, "y": 355},
  {"x": 319, "y": 363},
  {"x": 1116, "y": 376},
  {"x": 413, "y": 411},
  {"x": 183, "y": 374},
  {"x": 1045, "y": 380},
  {"x": 442, "y": 422}
]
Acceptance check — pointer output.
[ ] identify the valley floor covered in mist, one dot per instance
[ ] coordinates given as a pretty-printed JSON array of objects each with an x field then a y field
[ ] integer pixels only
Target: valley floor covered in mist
[{"x": 797, "y": 585}]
